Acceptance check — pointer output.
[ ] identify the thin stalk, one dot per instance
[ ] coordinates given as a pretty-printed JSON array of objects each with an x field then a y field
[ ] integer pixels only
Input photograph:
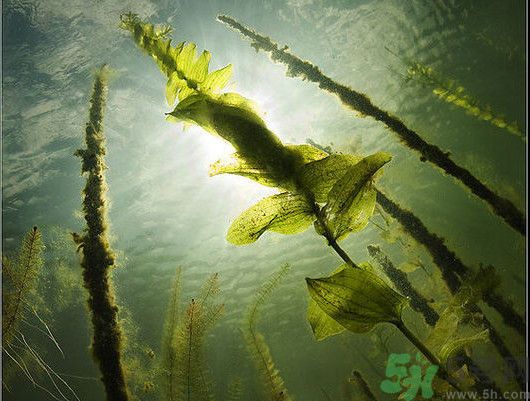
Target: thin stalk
[
  {"x": 326, "y": 232},
  {"x": 428, "y": 354},
  {"x": 360, "y": 103}
]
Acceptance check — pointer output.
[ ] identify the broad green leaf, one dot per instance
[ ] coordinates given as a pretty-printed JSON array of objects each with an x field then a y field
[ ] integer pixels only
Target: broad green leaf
[
  {"x": 285, "y": 213},
  {"x": 306, "y": 153},
  {"x": 239, "y": 166},
  {"x": 200, "y": 68},
  {"x": 217, "y": 80},
  {"x": 357, "y": 299},
  {"x": 351, "y": 201},
  {"x": 322, "y": 324},
  {"x": 319, "y": 176}
]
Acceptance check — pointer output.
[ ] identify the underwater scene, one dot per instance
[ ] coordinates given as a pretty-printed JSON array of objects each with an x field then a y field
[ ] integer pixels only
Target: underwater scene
[{"x": 263, "y": 200}]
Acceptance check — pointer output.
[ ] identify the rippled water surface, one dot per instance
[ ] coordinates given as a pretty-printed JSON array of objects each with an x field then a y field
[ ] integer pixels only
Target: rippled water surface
[{"x": 167, "y": 212}]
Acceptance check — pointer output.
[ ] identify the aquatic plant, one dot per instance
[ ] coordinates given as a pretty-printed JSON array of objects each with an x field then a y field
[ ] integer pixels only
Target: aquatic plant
[
  {"x": 235, "y": 390},
  {"x": 360, "y": 103},
  {"x": 272, "y": 382},
  {"x": 184, "y": 376},
  {"x": 98, "y": 257},
  {"x": 341, "y": 294},
  {"x": 452, "y": 268},
  {"x": 168, "y": 351},
  {"x": 19, "y": 280},
  {"x": 450, "y": 91},
  {"x": 403, "y": 285},
  {"x": 342, "y": 184},
  {"x": 21, "y": 320}
]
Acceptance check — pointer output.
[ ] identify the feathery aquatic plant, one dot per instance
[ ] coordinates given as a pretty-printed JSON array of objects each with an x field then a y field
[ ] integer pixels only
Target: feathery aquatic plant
[
  {"x": 452, "y": 92},
  {"x": 360, "y": 103},
  {"x": 19, "y": 279},
  {"x": 272, "y": 382},
  {"x": 184, "y": 374},
  {"x": 21, "y": 319},
  {"x": 98, "y": 257},
  {"x": 168, "y": 354}
]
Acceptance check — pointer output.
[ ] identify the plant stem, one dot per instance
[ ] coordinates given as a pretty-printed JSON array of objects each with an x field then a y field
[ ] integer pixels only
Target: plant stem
[
  {"x": 428, "y": 354},
  {"x": 326, "y": 232}
]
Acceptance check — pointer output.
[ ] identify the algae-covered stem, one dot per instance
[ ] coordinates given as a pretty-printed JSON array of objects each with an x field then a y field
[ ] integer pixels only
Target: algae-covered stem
[
  {"x": 362, "y": 104},
  {"x": 98, "y": 257}
]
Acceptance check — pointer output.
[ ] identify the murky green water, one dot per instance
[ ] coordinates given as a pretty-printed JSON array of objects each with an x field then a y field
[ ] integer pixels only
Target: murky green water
[{"x": 167, "y": 212}]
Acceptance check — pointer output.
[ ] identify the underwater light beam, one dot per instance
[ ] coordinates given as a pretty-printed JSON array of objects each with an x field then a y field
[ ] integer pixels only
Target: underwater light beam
[{"x": 360, "y": 103}]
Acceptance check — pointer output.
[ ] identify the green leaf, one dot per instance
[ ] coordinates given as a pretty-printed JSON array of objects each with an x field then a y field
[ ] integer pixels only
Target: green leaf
[
  {"x": 322, "y": 324},
  {"x": 200, "y": 68},
  {"x": 174, "y": 84},
  {"x": 185, "y": 92},
  {"x": 186, "y": 59},
  {"x": 285, "y": 213},
  {"x": 217, "y": 80},
  {"x": 237, "y": 165},
  {"x": 306, "y": 153},
  {"x": 357, "y": 299},
  {"x": 351, "y": 201},
  {"x": 319, "y": 176}
]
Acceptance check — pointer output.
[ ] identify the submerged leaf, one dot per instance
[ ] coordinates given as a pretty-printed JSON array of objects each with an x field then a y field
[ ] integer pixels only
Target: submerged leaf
[
  {"x": 319, "y": 176},
  {"x": 357, "y": 299},
  {"x": 351, "y": 201},
  {"x": 306, "y": 153},
  {"x": 218, "y": 79},
  {"x": 239, "y": 166},
  {"x": 322, "y": 324},
  {"x": 200, "y": 68},
  {"x": 285, "y": 213}
]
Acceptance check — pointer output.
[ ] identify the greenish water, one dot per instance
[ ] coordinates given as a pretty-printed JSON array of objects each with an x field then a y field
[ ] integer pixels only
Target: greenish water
[{"x": 167, "y": 212}]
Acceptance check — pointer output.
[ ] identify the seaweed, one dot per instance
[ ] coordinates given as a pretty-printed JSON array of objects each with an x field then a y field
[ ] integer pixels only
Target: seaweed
[
  {"x": 98, "y": 258},
  {"x": 402, "y": 284},
  {"x": 272, "y": 382},
  {"x": 360, "y": 103},
  {"x": 22, "y": 320},
  {"x": 182, "y": 365},
  {"x": 452, "y": 92}
]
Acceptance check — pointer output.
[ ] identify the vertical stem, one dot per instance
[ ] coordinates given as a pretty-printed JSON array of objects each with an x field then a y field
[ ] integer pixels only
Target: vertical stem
[
  {"x": 428, "y": 354},
  {"x": 98, "y": 257}
]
